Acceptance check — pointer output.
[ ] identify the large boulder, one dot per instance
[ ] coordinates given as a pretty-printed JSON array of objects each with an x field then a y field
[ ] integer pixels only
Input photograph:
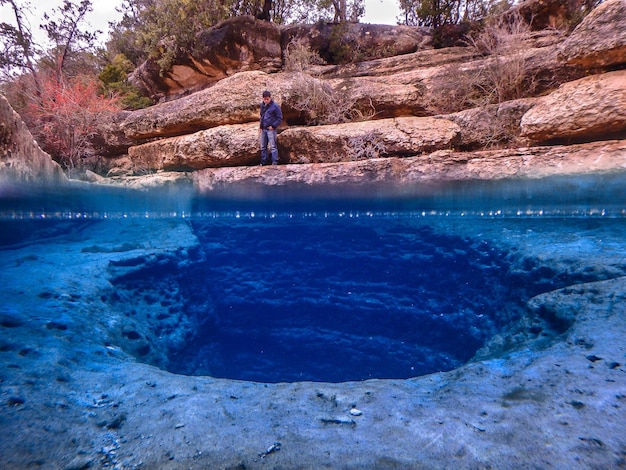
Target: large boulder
[
  {"x": 381, "y": 97},
  {"x": 111, "y": 141},
  {"x": 403, "y": 136},
  {"x": 230, "y": 145},
  {"x": 238, "y": 44},
  {"x": 233, "y": 100},
  {"x": 591, "y": 108},
  {"x": 542, "y": 14},
  {"x": 492, "y": 125},
  {"x": 422, "y": 59},
  {"x": 600, "y": 40},
  {"x": 21, "y": 159}
]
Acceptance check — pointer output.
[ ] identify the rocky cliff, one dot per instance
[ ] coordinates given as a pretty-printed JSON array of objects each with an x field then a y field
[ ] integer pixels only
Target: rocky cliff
[
  {"x": 21, "y": 159},
  {"x": 404, "y": 113},
  {"x": 415, "y": 118}
]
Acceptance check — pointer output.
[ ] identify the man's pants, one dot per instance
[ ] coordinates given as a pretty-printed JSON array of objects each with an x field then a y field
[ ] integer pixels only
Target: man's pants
[{"x": 268, "y": 136}]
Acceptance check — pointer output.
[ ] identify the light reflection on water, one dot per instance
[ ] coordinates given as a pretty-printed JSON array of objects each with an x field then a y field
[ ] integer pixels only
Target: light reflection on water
[
  {"x": 330, "y": 254},
  {"x": 582, "y": 196}
]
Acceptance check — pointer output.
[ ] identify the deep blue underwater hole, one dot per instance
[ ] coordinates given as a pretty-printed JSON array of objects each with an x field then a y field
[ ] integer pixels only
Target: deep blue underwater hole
[{"x": 333, "y": 301}]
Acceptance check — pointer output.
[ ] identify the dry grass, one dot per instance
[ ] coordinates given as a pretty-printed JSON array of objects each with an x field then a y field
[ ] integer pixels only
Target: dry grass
[{"x": 321, "y": 105}]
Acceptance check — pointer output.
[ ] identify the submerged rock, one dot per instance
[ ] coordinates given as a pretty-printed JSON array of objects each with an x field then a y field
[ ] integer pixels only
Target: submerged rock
[{"x": 75, "y": 396}]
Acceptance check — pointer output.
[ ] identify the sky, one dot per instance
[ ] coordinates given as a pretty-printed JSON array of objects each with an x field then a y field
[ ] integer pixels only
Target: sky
[
  {"x": 376, "y": 12},
  {"x": 381, "y": 12}
]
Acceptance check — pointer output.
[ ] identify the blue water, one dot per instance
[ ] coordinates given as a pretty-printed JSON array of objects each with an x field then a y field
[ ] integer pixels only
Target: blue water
[{"x": 342, "y": 284}]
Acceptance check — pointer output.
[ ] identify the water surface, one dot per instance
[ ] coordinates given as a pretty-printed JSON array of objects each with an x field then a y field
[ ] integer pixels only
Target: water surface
[{"x": 334, "y": 285}]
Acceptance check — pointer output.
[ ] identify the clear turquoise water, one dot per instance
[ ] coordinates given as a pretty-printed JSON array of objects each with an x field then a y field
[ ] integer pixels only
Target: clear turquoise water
[{"x": 343, "y": 283}]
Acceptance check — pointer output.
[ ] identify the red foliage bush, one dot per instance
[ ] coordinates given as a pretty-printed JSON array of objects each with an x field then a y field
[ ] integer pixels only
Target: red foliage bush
[{"x": 65, "y": 117}]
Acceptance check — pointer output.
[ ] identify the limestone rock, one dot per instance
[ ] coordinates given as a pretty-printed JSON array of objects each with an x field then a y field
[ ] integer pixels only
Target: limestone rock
[
  {"x": 237, "y": 144},
  {"x": 432, "y": 58},
  {"x": 241, "y": 43},
  {"x": 360, "y": 140},
  {"x": 110, "y": 141},
  {"x": 118, "y": 166},
  {"x": 369, "y": 40},
  {"x": 234, "y": 45},
  {"x": 399, "y": 87},
  {"x": 233, "y": 100},
  {"x": 491, "y": 125},
  {"x": 230, "y": 145},
  {"x": 393, "y": 88},
  {"x": 176, "y": 181},
  {"x": 382, "y": 97},
  {"x": 236, "y": 99},
  {"x": 600, "y": 40},
  {"x": 542, "y": 14},
  {"x": 587, "y": 109},
  {"x": 531, "y": 162},
  {"x": 21, "y": 159}
]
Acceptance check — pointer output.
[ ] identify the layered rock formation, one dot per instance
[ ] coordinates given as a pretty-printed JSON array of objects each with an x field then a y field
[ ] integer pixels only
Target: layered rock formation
[
  {"x": 400, "y": 99},
  {"x": 591, "y": 108},
  {"x": 402, "y": 106},
  {"x": 244, "y": 44},
  {"x": 600, "y": 40}
]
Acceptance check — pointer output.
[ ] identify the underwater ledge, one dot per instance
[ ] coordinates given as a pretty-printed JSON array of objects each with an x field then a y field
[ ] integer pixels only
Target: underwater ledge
[
  {"x": 526, "y": 400},
  {"x": 74, "y": 397}
]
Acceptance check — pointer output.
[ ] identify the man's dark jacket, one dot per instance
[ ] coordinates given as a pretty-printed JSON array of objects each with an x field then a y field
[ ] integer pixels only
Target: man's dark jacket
[{"x": 271, "y": 115}]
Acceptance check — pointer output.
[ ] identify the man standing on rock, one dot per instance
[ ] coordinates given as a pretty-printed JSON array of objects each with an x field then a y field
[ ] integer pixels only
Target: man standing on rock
[{"x": 271, "y": 117}]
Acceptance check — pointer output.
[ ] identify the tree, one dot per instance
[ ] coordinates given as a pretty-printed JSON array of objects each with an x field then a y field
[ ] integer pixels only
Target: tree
[
  {"x": 166, "y": 30},
  {"x": 56, "y": 91},
  {"x": 437, "y": 13},
  {"x": 21, "y": 55},
  {"x": 18, "y": 52},
  {"x": 114, "y": 78},
  {"x": 67, "y": 117},
  {"x": 67, "y": 37}
]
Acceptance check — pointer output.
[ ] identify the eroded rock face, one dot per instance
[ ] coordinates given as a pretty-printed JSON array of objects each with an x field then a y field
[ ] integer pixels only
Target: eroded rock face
[
  {"x": 236, "y": 100},
  {"x": 237, "y": 144},
  {"x": 244, "y": 43},
  {"x": 382, "y": 97},
  {"x": 368, "y": 40},
  {"x": 111, "y": 140},
  {"x": 541, "y": 14},
  {"x": 490, "y": 125},
  {"x": 230, "y": 145},
  {"x": 233, "y": 100},
  {"x": 402, "y": 136},
  {"x": 21, "y": 159},
  {"x": 235, "y": 45},
  {"x": 444, "y": 165},
  {"x": 591, "y": 108},
  {"x": 600, "y": 40}
]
